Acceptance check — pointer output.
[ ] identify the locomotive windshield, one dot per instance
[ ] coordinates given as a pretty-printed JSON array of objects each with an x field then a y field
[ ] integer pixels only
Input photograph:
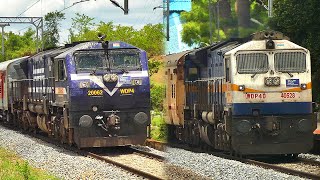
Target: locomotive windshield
[
  {"x": 252, "y": 63},
  {"x": 290, "y": 62},
  {"x": 112, "y": 59}
]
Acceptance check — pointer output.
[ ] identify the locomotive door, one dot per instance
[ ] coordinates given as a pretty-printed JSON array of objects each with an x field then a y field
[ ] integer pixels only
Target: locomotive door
[
  {"x": 51, "y": 84},
  {"x": 60, "y": 82},
  {"x": 2, "y": 76}
]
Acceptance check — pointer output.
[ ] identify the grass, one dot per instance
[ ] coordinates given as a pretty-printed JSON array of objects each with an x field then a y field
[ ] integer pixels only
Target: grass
[
  {"x": 158, "y": 127},
  {"x": 14, "y": 168}
]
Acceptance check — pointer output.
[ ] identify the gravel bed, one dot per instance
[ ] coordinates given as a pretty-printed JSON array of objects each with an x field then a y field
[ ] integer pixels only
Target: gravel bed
[
  {"x": 57, "y": 161},
  {"x": 219, "y": 168},
  {"x": 310, "y": 156}
]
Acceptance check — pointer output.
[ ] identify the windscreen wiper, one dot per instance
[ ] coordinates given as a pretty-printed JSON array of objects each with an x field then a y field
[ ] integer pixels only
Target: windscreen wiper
[{"x": 291, "y": 75}]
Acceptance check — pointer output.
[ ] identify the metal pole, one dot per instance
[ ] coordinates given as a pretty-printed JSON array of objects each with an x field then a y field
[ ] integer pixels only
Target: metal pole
[
  {"x": 126, "y": 7},
  {"x": 218, "y": 20},
  {"x": 270, "y": 4},
  {"x": 168, "y": 14},
  {"x": 2, "y": 33},
  {"x": 2, "y": 41},
  {"x": 42, "y": 41},
  {"x": 210, "y": 19}
]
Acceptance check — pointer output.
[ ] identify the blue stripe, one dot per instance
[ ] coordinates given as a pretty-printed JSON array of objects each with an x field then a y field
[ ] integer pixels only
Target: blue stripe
[{"x": 241, "y": 109}]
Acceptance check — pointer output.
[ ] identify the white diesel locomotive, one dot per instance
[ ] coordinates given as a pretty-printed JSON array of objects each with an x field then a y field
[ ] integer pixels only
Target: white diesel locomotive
[{"x": 247, "y": 96}]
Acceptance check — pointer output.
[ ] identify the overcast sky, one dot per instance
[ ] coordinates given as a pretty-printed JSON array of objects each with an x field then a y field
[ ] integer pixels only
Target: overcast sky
[{"x": 140, "y": 12}]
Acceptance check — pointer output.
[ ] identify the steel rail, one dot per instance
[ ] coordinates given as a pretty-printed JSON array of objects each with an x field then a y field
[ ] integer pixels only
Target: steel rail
[
  {"x": 148, "y": 154},
  {"x": 123, "y": 166}
]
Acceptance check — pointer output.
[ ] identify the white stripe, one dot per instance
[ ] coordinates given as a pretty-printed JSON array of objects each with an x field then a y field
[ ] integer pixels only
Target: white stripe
[
  {"x": 40, "y": 89},
  {"x": 97, "y": 80},
  {"x": 38, "y": 71},
  {"x": 38, "y": 77}
]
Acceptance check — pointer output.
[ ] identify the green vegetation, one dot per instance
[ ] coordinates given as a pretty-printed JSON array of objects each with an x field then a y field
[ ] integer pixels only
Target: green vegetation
[
  {"x": 157, "y": 96},
  {"x": 158, "y": 127},
  {"x": 237, "y": 18},
  {"x": 299, "y": 21},
  {"x": 52, "y": 25},
  {"x": 149, "y": 38},
  {"x": 11, "y": 167}
]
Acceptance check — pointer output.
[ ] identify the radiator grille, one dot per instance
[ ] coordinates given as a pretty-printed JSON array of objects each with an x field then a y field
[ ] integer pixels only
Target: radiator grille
[
  {"x": 252, "y": 63},
  {"x": 290, "y": 62}
]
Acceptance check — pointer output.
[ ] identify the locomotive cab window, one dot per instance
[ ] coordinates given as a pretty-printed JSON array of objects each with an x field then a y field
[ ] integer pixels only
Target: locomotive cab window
[
  {"x": 192, "y": 74},
  {"x": 227, "y": 69},
  {"x": 252, "y": 63},
  {"x": 114, "y": 59},
  {"x": 290, "y": 62},
  {"x": 60, "y": 70}
]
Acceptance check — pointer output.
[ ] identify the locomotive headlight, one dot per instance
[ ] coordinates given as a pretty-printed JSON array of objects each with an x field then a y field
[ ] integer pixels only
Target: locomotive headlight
[
  {"x": 244, "y": 126},
  {"x": 303, "y": 86},
  {"x": 242, "y": 87},
  {"x": 140, "y": 118},
  {"x": 276, "y": 81},
  {"x": 85, "y": 121},
  {"x": 114, "y": 77},
  {"x": 136, "y": 82},
  {"x": 107, "y": 77},
  {"x": 84, "y": 85},
  {"x": 268, "y": 81},
  {"x": 95, "y": 108}
]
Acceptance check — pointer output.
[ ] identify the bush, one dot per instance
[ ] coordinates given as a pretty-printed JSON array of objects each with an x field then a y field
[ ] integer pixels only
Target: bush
[
  {"x": 157, "y": 96},
  {"x": 158, "y": 127}
]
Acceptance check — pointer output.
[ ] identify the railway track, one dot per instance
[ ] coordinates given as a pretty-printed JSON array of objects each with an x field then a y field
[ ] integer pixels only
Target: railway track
[
  {"x": 102, "y": 157},
  {"x": 138, "y": 162},
  {"x": 300, "y": 167}
]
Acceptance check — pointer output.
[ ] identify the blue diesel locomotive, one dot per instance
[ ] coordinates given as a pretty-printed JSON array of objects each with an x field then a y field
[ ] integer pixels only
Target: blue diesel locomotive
[{"x": 92, "y": 94}]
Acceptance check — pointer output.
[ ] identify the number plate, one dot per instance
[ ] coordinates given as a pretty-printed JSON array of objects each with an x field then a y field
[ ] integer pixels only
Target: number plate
[
  {"x": 95, "y": 92},
  {"x": 289, "y": 95},
  {"x": 256, "y": 95}
]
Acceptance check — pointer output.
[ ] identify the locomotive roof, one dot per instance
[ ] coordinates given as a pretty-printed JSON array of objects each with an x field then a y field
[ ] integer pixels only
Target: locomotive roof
[
  {"x": 173, "y": 59},
  {"x": 97, "y": 45},
  {"x": 5, "y": 64}
]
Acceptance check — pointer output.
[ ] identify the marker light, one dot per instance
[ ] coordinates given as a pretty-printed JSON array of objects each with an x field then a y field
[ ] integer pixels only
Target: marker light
[
  {"x": 136, "y": 82},
  {"x": 242, "y": 87},
  {"x": 95, "y": 108},
  {"x": 303, "y": 86},
  {"x": 84, "y": 84}
]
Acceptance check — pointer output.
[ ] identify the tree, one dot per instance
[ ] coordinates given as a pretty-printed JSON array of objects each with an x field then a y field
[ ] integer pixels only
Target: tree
[
  {"x": 150, "y": 37},
  {"x": 19, "y": 45},
  {"x": 243, "y": 13},
  {"x": 234, "y": 20},
  {"x": 81, "y": 23},
  {"x": 299, "y": 21},
  {"x": 52, "y": 25}
]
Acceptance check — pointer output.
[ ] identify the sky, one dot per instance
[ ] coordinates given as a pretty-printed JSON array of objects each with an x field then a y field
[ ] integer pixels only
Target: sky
[{"x": 140, "y": 12}]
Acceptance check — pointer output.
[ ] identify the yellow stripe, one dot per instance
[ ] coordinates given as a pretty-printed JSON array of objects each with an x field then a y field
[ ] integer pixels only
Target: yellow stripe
[{"x": 235, "y": 87}]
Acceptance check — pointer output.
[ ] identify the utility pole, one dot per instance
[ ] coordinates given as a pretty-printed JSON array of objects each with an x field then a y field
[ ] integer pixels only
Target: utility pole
[
  {"x": 218, "y": 20},
  {"x": 210, "y": 20},
  {"x": 168, "y": 14},
  {"x": 269, "y": 7},
  {"x": 2, "y": 34},
  {"x": 270, "y": 4}
]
